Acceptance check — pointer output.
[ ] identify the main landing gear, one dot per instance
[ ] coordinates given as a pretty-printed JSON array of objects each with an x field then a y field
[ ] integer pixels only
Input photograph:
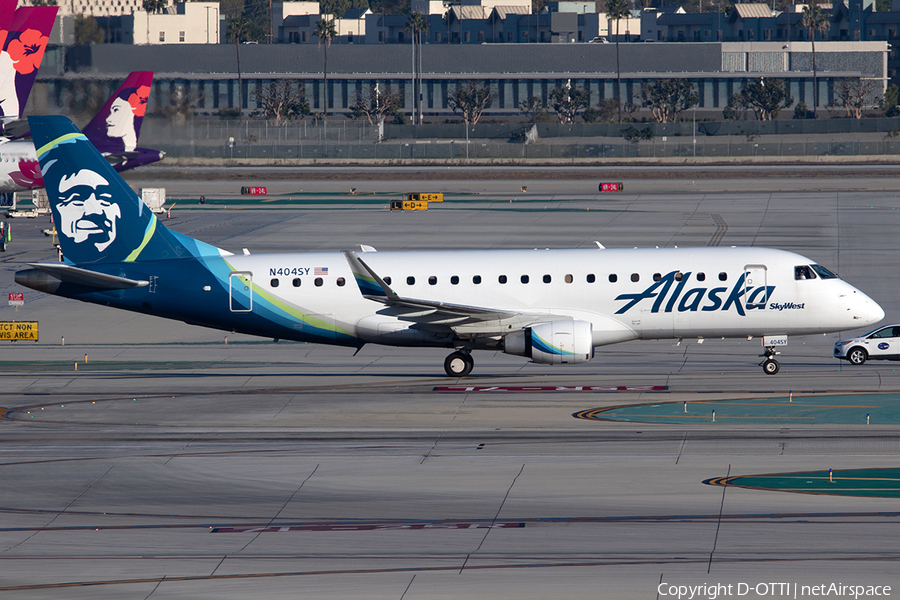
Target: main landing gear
[
  {"x": 459, "y": 364},
  {"x": 769, "y": 364}
]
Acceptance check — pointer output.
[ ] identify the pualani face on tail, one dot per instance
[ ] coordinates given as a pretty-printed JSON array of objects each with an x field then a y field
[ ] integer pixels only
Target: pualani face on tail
[{"x": 117, "y": 125}]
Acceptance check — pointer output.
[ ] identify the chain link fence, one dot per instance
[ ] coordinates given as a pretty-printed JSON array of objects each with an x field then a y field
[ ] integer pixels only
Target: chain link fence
[{"x": 344, "y": 139}]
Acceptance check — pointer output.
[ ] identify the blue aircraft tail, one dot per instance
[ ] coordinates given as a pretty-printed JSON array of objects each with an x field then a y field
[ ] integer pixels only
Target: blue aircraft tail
[{"x": 98, "y": 217}]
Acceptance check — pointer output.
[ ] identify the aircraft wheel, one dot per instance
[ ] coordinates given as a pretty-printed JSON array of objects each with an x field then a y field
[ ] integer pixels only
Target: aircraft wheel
[
  {"x": 857, "y": 356},
  {"x": 770, "y": 366},
  {"x": 459, "y": 364}
]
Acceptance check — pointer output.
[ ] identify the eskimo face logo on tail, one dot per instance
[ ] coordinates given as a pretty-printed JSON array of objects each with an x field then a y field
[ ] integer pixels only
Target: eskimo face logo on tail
[
  {"x": 87, "y": 212},
  {"x": 99, "y": 218},
  {"x": 742, "y": 297}
]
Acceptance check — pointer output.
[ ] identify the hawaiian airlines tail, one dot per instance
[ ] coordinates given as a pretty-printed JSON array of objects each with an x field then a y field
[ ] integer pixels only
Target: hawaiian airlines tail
[
  {"x": 116, "y": 127},
  {"x": 23, "y": 41}
]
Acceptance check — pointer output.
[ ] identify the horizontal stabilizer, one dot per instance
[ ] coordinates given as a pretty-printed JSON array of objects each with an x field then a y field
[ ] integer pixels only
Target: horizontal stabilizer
[
  {"x": 101, "y": 281},
  {"x": 16, "y": 129},
  {"x": 120, "y": 157}
]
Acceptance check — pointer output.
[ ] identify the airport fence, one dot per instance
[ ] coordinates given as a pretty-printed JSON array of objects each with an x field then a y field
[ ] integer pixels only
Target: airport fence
[
  {"x": 460, "y": 150},
  {"x": 344, "y": 139}
]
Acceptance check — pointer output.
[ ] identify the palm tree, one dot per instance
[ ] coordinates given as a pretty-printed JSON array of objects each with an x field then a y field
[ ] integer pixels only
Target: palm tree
[
  {"x": 618, "y": 9},
  {"x": 417, "y": 24},
  {"x": 238, "y": 29},
  {"x": 326, "y": 32},
  {"x": 815, "y": 22},
  {"x": 151, "y": 6}
]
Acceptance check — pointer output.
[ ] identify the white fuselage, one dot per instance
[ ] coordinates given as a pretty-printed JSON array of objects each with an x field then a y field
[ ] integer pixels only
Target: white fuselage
[
  {"x": 19, "y": 169},
  {"x": 624, "y": 293}
]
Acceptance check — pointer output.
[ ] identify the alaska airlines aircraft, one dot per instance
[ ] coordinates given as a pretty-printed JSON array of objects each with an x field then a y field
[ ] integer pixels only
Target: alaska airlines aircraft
[
  {"x": 114, "y": 131},
  {"x": 551, "y": 306}
]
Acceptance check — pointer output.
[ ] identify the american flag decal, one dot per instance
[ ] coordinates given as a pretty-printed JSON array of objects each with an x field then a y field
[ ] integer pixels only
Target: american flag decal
[{"x": 321, "y": 271}]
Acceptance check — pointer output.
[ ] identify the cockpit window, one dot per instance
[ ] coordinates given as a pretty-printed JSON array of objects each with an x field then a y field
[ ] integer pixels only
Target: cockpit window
[
  {"x": 823, "y": 272},
  {"x": 803, "y": 272}
]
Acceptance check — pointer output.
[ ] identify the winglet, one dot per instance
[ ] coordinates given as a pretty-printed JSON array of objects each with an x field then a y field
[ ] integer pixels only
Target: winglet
[{"x": 370, "y": 284}]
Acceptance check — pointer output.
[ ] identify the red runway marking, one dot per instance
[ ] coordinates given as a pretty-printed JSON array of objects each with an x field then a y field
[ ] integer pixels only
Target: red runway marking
[
  {"x": 367, "y": 527},
  {"x": 553, "y": 388}
]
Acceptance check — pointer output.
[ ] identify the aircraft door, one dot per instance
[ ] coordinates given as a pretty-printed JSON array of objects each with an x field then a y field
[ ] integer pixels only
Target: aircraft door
[
  {"x": 756, "y": 294},
  {"x": 240, "y": 291}
]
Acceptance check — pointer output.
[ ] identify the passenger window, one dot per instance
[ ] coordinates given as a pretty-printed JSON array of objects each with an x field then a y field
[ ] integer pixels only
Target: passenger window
[
  {"x": 340, "y": 281},
  {"x": 635, "y": 277},
  {"x": 502, "y": 279},
  {"x": 476, "y": 279},
  {"x": 679, "y": 276},
  {"x": 569, "y": 279},
  {"x": 410, "y": 281},
  {"x": 454, "y": 280},
  {"x": 318, "y": 282},
  {"x": 274, "y": 283},
  {"x": 296, "y": 282},
  {"x": 613, "y": 278},
  {"x": 723, "y": 276},
  {"x": 656, "y": 277},
  {"x": 432, "y": 280},
  {"x": 387, "y": 280},
  {"x": 701, "y": 276},
  {"x": 547, "y": 279},
  {"x": 524, "y": 278},
  {"x": 803, "y": 272},
  {"x": 591, "y": 278}
]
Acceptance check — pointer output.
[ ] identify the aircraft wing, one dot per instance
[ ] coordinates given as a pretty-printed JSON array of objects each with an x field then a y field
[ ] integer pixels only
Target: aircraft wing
[
  {"x": 459, "y": 317},
  {"x": 70, "y": 274}
]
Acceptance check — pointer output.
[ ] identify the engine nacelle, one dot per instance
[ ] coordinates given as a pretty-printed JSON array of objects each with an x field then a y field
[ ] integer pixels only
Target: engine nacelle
[{"x": 553, "y": 343}]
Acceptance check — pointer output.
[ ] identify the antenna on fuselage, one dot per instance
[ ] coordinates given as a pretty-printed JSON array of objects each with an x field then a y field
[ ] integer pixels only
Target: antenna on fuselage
[{"x": 599, "y": 245}]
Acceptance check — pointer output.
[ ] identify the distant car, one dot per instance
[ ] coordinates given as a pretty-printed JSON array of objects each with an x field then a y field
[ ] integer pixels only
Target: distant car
[
  {"x": 880, "y": 344},
  {"x": 599, "y": 40}
]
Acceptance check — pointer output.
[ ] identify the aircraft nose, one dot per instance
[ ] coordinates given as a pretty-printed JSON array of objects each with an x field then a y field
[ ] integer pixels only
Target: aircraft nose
[
  {"x": 875, "y": 312},
  {"x": 864, "y": 310}
]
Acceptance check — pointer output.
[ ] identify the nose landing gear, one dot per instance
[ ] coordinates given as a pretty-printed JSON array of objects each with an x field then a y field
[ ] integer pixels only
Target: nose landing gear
[
  {"x": 769, "y": 364},
  {"x": 459, "y": 364}
]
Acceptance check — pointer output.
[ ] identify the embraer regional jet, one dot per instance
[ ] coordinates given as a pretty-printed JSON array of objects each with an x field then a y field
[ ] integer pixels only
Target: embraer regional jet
[{"x": 551, "y": 306}]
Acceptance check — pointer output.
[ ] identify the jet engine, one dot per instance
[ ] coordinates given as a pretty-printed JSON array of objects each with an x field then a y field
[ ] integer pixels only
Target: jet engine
[{"x": 553, "y": 343}]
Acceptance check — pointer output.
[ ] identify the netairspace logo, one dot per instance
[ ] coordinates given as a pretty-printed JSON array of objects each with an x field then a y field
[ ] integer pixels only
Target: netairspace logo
[{"x": 771, "y": 590}]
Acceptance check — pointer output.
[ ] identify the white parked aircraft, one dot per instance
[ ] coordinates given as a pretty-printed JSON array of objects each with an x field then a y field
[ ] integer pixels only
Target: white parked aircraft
[
  {"x": 551, "y": 306},
  {"x": 114, "y": 130}
]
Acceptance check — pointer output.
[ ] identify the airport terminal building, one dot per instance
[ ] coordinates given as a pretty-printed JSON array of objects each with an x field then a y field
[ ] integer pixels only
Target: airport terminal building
[{"x": 208, "y": 74}]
